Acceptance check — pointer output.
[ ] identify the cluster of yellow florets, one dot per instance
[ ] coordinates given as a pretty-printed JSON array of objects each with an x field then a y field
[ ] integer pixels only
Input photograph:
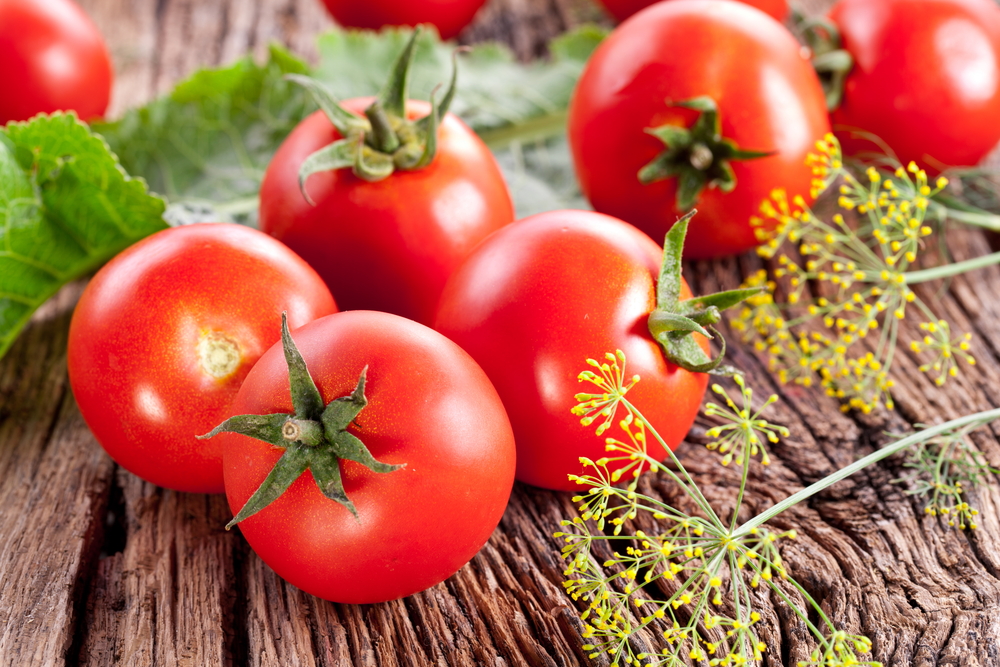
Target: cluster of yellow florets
[
  {"x": 827, "y": 164},
  {"x": 610, "y": 379},
  {"x": 947, "y": 350},
  {"x": 744, "y": 431},
  {"x": 841, "y": 649},
  {"x": 850, "y": 276},
  {"x": 699, "y": 564},
  {"x": 690, "y": 578}
]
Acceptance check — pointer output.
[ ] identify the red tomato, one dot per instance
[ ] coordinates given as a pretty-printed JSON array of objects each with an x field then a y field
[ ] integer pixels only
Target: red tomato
[
  {"x": 52, "y": 58},
  {"x": 388, "y": 245},
  {"x": 768, "y": 96},
  {"x": 622, "y": 9},
  {"x": 164, "y": 335},
  {"x": 448, "y": 16},
  {"x": 431, "y": 408},
  {"x": 926, "y": 78},
  {"x": 538, "y": 298}
]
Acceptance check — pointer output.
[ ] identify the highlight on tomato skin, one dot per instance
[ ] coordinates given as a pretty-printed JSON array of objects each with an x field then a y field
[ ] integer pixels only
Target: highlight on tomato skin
[
  {"x": 448, "y": 16},
  {"x": 660, "y": 74},
  {"x": 925, "y": 79},
  {"x": 430, "y": 409},
  {"x": 164, "y": 335},
  {"x": 52, "y": 58},
  {"x": 623, "y": 9}
]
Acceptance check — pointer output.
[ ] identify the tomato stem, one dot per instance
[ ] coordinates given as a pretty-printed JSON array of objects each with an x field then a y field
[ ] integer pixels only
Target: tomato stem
[
  {"x": 306, "y": 431},
  {"x": 383, "y": 137},
  {"x": 314, "y": 438},
  {"x": 831, "y": 62},
  {"x": 385, "y": 140},
  {"x": 674, "y": 319},
  {"x": 697, "y": 156}
]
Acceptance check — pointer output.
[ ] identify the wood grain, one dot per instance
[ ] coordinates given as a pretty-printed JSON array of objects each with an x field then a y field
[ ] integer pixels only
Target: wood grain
[{"x": 99, "y": 568}]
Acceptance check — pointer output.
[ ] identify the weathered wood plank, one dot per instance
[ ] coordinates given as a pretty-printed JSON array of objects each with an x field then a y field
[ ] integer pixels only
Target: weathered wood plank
[
  {"x": 53, "y": 495},
  {"x": 168, "y": 597},
  {"x": 182, "y": 591}
]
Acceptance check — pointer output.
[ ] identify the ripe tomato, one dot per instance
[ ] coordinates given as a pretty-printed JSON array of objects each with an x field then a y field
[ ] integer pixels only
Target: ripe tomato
[
  {"x": 165, "y": 333},
  {"x": 538, "y": 298},
  {"x": 387, "y": 245},
  {"x": 448, "y": 16},
  {"x": 926, "y": 78},
  {"x": 430, "y": 409},
  {"x": 622, "y": 9},
  {"x": 768, "y": 98},
  {"x": 52, "y": 58}
]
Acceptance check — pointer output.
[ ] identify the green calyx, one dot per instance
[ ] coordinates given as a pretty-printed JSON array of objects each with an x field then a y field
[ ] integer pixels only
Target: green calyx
[
  {"x": 831, "y": 62},
  {"x": 698, "y": 156},
  {"x": 314, "y": 438},
  {"x": 385, "y": 139},
  {"x": 674, "y": 319}
]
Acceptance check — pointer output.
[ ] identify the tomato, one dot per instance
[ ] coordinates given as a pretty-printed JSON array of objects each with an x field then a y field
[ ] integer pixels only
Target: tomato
[
  {"x": 430, "y": 409},
  {"x": 749, "y": 66},
  {"x": 165, "y": 333},
  {"x": 538, "y": 298},
  {"x": 387, "y": 245},
  {"x": 622, "y": 9},
  {"x": 926, "y": 78},
  {"x": 448, "y": 16},
  {"x": 52, "y": 57}
]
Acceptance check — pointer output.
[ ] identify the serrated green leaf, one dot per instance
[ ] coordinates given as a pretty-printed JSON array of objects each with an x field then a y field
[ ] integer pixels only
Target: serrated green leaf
[
  {"x": 205, "y": 146},
  {"x": 211, "y": 139},
  {"x": 501, "y": 99},
  {"x": 540, "y": 177},
  {"x": 66, "y": 207}
]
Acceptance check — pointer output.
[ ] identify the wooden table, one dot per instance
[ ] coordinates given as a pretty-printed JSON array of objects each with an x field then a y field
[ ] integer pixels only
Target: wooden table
[{"x": 100, "y": 568}]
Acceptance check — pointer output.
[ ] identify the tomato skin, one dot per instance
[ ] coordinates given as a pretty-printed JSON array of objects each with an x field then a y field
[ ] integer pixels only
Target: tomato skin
[
  {"x": 769, "y": 99},
  {"x": 538, "y": 298},
  {"x": 926, "y": 78},
  {"x": 134, "y": 356},
  {"x": 429, "y": 407},
  {"x": 622, "y": 9},
  {"x": 448, "y": 16},
  {"x": 388, "y": 245},
  {"x": 52, "y": 57}
]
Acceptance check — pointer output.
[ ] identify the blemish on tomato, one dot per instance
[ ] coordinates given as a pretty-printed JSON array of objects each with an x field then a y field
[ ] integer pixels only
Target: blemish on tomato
[{"x": 218, "y": 355}]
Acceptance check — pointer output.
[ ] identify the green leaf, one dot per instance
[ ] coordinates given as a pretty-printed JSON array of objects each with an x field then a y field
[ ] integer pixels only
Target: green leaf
[
  {"x": 211, "y": 139},
  {"x": 540, "y": 177},
  {"x": 66, "y": 207},
  {"x": 206, "y": 145},
  {"x": 501, "y": 99}
]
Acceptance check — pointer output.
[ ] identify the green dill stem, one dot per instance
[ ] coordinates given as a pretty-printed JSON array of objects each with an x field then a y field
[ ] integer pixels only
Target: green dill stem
[
  {"x": 898, "y": 446},
  {"x": 959, "y": 211},
  {"x": 743, "y": 486},
  {"x": 688, "y": 484},
  {"x": 536, "y": 129},
  {"x": 984, "y": 220},
  {"x": 798, "y": 612},
  {"x": 949, "y": 270},
  {"x": 237, "y": 206}
]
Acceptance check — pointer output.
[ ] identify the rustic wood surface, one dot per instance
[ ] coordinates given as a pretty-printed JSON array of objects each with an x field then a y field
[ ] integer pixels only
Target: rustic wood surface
[{"x": 99, "y": 568}]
